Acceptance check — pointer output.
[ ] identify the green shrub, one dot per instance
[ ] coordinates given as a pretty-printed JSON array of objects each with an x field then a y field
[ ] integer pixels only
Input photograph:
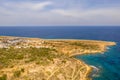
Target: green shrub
[
  {"x": 3, "y": 77},
  {"x": 22, "y": 70},
  {"x": 17, "y": 73},
  {"x": 8, "y": 56}
]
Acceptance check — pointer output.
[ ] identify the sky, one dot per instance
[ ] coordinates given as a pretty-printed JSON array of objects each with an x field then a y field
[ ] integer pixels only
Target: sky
[{"x": 59, "y": 12}]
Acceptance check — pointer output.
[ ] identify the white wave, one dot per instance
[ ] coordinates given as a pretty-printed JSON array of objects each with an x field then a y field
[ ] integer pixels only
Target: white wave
[
  {"x": 95, "y": 75},
  {"x": 95, "y": 68},
  {"x": 95, "y": 72},
  {"x": 108, "y": 48}
]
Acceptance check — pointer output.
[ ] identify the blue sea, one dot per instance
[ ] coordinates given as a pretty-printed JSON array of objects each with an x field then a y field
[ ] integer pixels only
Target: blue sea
[{"x": 107, "y": 64}]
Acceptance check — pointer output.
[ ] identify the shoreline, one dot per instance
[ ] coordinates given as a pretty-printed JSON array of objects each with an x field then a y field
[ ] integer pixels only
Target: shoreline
[
  {"x": 106, "y": 48},
  {"x": 63, "y": 46},
  {"x": 56, "y": 39},
  {"x": 91, "y": 67}
]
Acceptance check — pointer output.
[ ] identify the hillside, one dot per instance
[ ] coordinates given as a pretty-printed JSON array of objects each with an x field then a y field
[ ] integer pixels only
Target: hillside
[{"x": 45, "y": 59}]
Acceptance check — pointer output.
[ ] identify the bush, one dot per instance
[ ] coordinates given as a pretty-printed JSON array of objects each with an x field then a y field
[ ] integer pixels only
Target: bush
[
  {"x": 4, "y": 77},
  {"x": 17, "y": 73},
  {"x": 22, "y": 70},
  {"x": 8, "y": 56}
]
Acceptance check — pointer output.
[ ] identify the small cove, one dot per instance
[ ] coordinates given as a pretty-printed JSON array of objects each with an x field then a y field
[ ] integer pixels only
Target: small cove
[{"x": 106, "y": 66}]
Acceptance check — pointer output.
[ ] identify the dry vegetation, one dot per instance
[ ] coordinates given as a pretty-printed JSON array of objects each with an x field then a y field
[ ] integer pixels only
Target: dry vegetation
[
  {"x": 74, "y": 47},
  {"x": 39, "y": 59}
]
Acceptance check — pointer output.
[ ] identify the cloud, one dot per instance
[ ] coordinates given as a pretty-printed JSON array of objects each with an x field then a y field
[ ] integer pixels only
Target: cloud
[
  {"x": 91, "y": 13},
  {"x": 57, "y": 12},
  {"x": 27, "y": 5}
]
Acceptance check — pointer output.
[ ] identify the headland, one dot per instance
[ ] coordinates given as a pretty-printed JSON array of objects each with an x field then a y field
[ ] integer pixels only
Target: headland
[{"x": 46, "y": 59}]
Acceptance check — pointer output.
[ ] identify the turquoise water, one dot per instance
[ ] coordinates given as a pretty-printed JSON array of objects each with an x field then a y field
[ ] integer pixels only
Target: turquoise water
[{"x": 108, "y": 64}]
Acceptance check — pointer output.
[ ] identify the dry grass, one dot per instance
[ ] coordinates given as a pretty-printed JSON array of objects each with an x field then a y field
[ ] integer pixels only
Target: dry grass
[{"x": 40, "y": 59}]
